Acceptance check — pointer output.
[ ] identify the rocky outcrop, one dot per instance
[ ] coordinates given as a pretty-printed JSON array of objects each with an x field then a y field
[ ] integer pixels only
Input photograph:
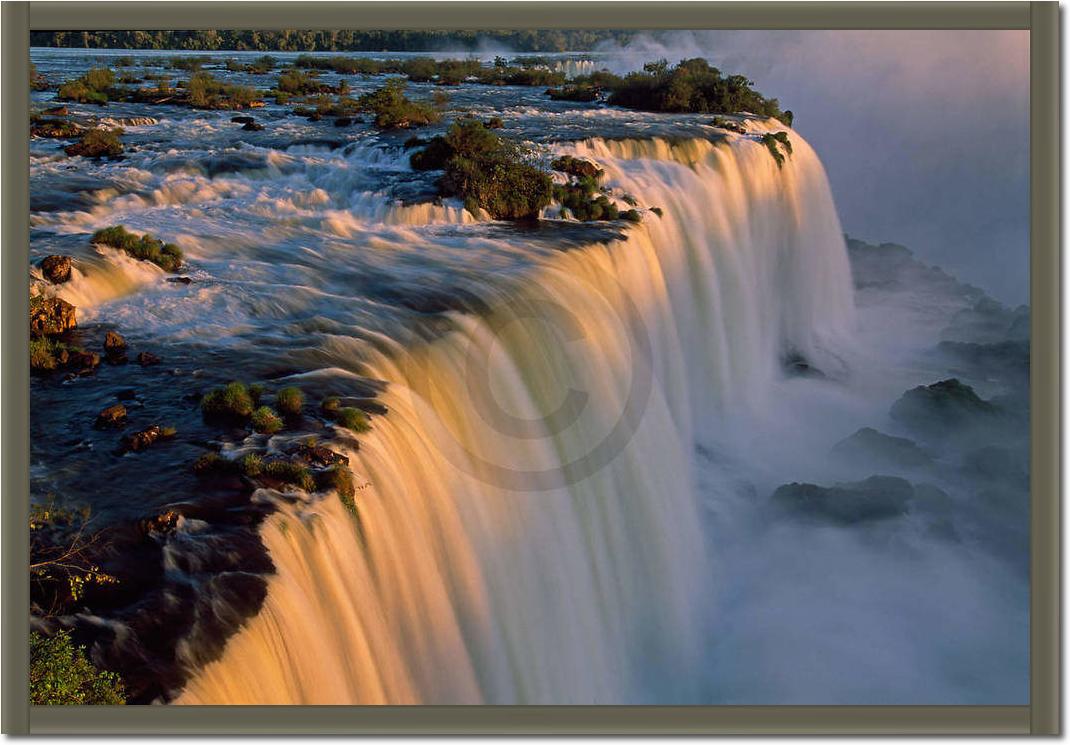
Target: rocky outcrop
[
  {"x": 147, "y": 437},
  {"x": 112, "y": 416},
  {"x": 876, "y": 498},
  {"x": 56, "y": 269},
  {"x": 871, "y": 447},
  {"x": 942, "y": 407},
  {"x": 147, "y": 358},
  {"x": 50, "y": 316}
]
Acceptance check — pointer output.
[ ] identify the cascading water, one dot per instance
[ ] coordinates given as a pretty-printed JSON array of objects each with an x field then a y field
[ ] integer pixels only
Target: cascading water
[{"x": 528, "y": 527}]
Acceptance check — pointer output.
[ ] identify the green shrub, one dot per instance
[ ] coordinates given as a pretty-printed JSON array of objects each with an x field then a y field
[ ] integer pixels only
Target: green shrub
[
  {"x": 289, "y": 401},
  {"x": 265, "y": 421},
  {"x": 167, "y": 256},
  {"x": 251, "y": 465},
  {"x": 60, "y": 673},
  {"x": 773, "y": 141},
  {"x": 393, "y": 110},
  {"x": 631, "y": 216},
  {"x": 205, "y": 92},
  {"x": 579, "y": 93},
  {"x": 298, "y": 83},
  {"x": 43, "y": 353},
  {"x": 230, "y": 401},
  {"x": 338, "y": 478},
  {"x": 208, "y": 464},
  {"x": 352, "y": 419},
  {"x": 93, "y": 87},
  {"x": 330, "y": 405},
  {"x": 289, "y": 473},
  {"x": 98, "y": 143}
]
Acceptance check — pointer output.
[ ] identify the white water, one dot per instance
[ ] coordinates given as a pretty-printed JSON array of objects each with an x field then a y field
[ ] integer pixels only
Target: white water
[{"x": 520, "y": 545}]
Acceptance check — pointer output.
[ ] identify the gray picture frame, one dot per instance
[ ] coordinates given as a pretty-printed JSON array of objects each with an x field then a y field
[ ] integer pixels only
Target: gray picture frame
[{"x": 1043, "y": 714}]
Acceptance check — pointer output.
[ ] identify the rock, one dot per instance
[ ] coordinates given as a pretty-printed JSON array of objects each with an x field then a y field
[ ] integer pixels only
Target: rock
[
  {"x": 128, "y": 121},
  {"x": 56, "y": 129},
  {"x": 57, "y": 269},
  {"x": 147, "y": 358},
  {"x": 57, "y": 111},
  {"x": 164, "y": 523},
  {"x": 577, "y": 167},
  {"x": 142, "y": 440},
  {"x": 876, "y": 498},
  {"x": 317, "y": 455},
  {"x": 50, "y": 316},
  {"x": 81, "y": 361},
  {"x": 112, "y": 416},
  {"x": 113, "y": 341},
  {"x": 343, "y": 121},
  {"x": 242, "y": 119},
  {"x": 797, "y": 365},
  {"x": 180, "y": 280},
  {"x": 942, "y": 407},
  {"x": 126, "y": 394},
  {"x": 869, "y": 446},
  {"x": 252, "y": 126}
]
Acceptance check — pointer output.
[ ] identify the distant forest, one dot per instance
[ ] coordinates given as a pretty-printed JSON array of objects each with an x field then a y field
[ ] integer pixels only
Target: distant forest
[{"x": 295, "y": 40}]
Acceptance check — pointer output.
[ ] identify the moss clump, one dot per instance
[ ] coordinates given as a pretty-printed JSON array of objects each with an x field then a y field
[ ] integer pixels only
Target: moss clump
[
  {"x": 330, "y": 405},
  {"x": 393, "y": 110},
  {"x": 657, "y": 211},
  {"x": 231, "y": 401},
  {"x": 98, "y": 143},
  {"x": 60, "y": 673},
  {"x": 486, "y": 171},
  {"x": 167, "y": 256},
  {"x": 289, "y": 401},
  {"x": 352, "y": 419},
  {"x": 250, "y": 465},
  {"x": 289, "y": 473},
  {"x": 773, "y": 141},
  {"x": 338, "y": 478},
  {"x": 93, "y": 87},
  {"x": 266, "y": 421}
]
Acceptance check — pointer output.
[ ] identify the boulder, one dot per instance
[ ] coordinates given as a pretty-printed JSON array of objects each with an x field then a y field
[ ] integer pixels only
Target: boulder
[
  {"x": 57, "y": 111},
  {"x": 50, "y": 316},
  {"x": 876, "y": 498},
  {"x": 147, "y": 358},
  {"x": 942, "y": 407},
  {"x": 317, "y": 455},
  {"x": 242, "y": 119},
  {"x": 869, "y": 446},
  {"x": 112, "y": 416},
  {"x": 343, "y": 121},
  {"x": 115, "y": 347},
  {"x": 142, "y": 440},
  {"x": 56, "y": 269},
  {"x": 252, "y": 126}
]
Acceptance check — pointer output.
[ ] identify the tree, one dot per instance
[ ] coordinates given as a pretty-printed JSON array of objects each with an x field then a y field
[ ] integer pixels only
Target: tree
[{"x": 60, "y": 673}]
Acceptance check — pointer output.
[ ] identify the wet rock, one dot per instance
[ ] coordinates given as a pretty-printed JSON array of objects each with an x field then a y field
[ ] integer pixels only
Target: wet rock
[
  {"x": 57, "y": 111},
  {"x": 50, "y": 316},
  {"x": 162, "y": 524},
  {"x": 252, "y": 126},
  {"x": 112, "y": 416},
  {"x": 942, "y": 407},
  {"x": 147, "y": 358},
  {"x": 343, "y": 121},
  {"x": 242, "y": 119},
  {"x": 126, "y": 394},
  {"x": 115, "y": 347},
  {"x": 796, "y": 364},
  {"x": 316, "y": 455},
  {"x": 56, "y": 129},
  {"x": 867, "y": 445},
  {"x": 56, "y": 268},
  {"x": 876, "y": 498},
  {"x": 180, "y": 280},
  {"x": 80, "y": 361},
  {"x": 128, "y": 121},
  {"x": 147, "y": 437},
  {"x": 577, "y": 167}
]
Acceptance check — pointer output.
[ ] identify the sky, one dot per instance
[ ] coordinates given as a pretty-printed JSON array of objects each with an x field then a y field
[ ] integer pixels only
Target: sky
[{"x": 924, "y": 134}]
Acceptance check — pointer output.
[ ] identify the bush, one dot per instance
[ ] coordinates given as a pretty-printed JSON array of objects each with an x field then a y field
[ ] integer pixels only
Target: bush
[
  {"x": 167, "y": 256},
  {"x": 486, "y": 171},
  {"x": 231, "y": 401},
  {"x": 43, "y": 353},
  {"x": 352, "y": 419},
  {"x": 330, "y": 405},
  {"x": 393, "y": 110},
  {"x": 579, "y": 93},
  {"x": 266, "y": 421},
  {"x": 61, "y": 674},
  {"x": 93, "y": 87},
  {"x": 289, "y": 401},
  {"x": 631, "y": 216},
  {"x": 299, "y": 83},
  {"x": 250, "y": 465},
  {"x": 205, "y": 92},
  {"x": 289, "y": 473},
  {"x": 773, "y": 141},
  {"x": 98, "y": 143}
]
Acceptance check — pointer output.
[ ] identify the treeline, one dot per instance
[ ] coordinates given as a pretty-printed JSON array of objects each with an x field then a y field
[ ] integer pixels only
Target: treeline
[{"x": 297, "y": 40}]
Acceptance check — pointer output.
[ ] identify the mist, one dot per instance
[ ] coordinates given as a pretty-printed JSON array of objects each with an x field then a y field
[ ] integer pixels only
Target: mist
[{"x": 925, "y": 134}]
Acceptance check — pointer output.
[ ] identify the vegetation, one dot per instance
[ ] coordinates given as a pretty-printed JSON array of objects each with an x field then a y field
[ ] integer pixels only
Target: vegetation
[
  {"x": 773, "y": 141},
  {"x": 98, "y": 143},
  {"x": 232, "y": 401},
  {"x": 206, "y": 92},
  {"x": 289, "y": 401},
  {"x": 486, "y": 171},
  {"x": 60, "y": 673},
  {"x": 289, "y": 473},
  {"x": 37, "y": 80},
  {"x": 93, "y": 87},
  {"x": 167, "y": 256},
  {"x": 330, "y": 405},
  {"x": 266, "y": 421},
  {"x": 393, "y": 110},
  {"x": 581, "y": 197},
  {"x": 300, "y": 83},
  {"x": 339, "y": 478},
  {"x": 260, "y": 66},
  {"x": 291, "y": 40},
  {"x": 62, "y": 557},
  {"x": 44, "y": 353},
  {"x": 580, "y": 93},
  {"x": 352, "y": 419}
]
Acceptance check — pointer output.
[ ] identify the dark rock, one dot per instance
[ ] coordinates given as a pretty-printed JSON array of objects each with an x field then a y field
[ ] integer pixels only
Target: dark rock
[
  {"x": 796, "y": 364},
  {"x": 942, "y": 407},
  {"x": 57, "y": 111},
  {"x": 180, "y": 280},
  {"x": 56, "y": 129},
  {"x": 343, "y": 121},
  {"x": 317, "y": 455},
  {"x": 57, "y": 269},
  {"x": 113, "y": 341},
  {"x": 126, "y": 394},
  {"x": 142, "y": 440},
  {"x": 112, "y": 416},
  {"x": 50, "y": 316},
  {"x": 147, "y": 358},
  {"x": 242, "y": 119},
  {"x": 876, "y": 498},
  {"x": 869, "y": 446},
  {"x": 252, "y": 126},
  {"x": 163, "y": 523},
  {"x": 81, "y": 361}
]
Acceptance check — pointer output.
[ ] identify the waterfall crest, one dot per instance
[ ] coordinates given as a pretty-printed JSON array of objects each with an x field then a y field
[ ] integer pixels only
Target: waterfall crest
[{"x": 528, "y": 527}]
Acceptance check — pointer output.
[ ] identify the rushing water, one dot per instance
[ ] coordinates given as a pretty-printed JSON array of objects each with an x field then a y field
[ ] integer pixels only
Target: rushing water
[{"x": 565, "y": 501}]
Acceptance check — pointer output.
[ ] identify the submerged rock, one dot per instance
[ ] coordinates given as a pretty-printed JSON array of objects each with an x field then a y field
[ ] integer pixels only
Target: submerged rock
[
  {"x": 147, "y": 358},
  {"x": 50, "y": 316},
  {"x": 242, "y": 119},
  {"x": 112, "y": 416},
  {"x": 870, "y": 446},
  {"x": 145, "y": 438},
  {"x": 56, "y": 269},
  {"x": 252, "y": 126},
  {"x": 876, "y": 498},
  {"x": 343, "y": 121}
]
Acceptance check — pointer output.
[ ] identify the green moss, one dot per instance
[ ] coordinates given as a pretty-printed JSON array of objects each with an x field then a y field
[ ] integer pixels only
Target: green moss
[
  {"x": 266, "y": 421},
  {"x": 229, "y": 401},
  {"x": 60, "y": 673},
  {"x": 289, "y": 401},
  {"x": 167, "y": 256},
  {"x": 352, "y": 419},
  {"x": 43, "y": 353},
  {"x": 289, "y": 473}
]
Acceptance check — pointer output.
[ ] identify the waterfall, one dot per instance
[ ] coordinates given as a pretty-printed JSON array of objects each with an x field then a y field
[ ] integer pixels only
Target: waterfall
[{"x": 528, "y": 528}]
